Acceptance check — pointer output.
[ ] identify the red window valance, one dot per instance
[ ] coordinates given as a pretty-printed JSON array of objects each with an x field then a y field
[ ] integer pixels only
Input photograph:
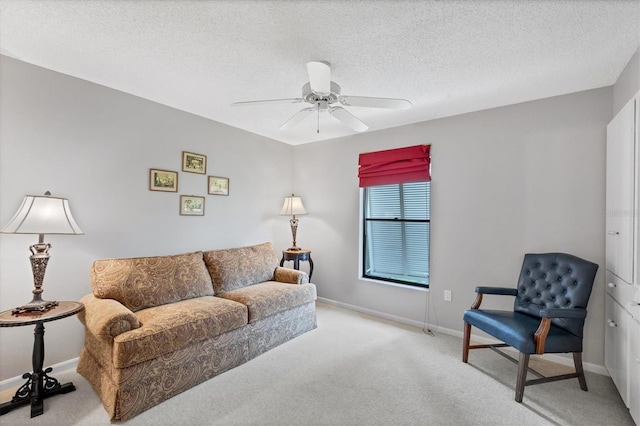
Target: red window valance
[{"x": 401, "y": 165}]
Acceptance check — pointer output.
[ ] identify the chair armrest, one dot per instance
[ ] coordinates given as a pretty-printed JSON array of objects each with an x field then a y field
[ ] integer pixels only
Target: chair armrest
[
  {"x": 542, "y": 332},
  {"x": 106, "y": 318},
  {"x": 502, "y": 291},
  {"x": 290, "y": 276},
  {"x": 574, "y": 313}
]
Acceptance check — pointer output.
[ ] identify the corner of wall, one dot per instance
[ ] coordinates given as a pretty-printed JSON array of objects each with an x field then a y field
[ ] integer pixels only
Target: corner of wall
[{"x": 628, "y": 83}]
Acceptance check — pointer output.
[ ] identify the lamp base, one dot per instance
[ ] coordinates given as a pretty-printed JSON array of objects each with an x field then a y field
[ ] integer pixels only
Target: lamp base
[
  {"x": 35, "y": 306},
  {"x": 294, "y": 229},
  {"x": 39, "y": 259}
]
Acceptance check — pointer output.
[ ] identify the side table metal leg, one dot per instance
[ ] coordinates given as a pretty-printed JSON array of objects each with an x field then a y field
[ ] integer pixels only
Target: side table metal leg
[
  {"x": 38, "y": 385},
  {"x": 20, "y": 398},
  {"x": 310, "y": 267},
  {"x": 37, "y": 360}
]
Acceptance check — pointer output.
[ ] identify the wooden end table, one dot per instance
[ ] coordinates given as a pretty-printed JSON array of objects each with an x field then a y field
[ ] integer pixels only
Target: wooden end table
[
  {"x": 297, "y": 256},
  {"x": 38, "y": 385}
]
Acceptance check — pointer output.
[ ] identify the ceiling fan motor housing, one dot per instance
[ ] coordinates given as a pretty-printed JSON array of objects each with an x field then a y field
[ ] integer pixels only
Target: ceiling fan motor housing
[{"x": 313, "y": 97}]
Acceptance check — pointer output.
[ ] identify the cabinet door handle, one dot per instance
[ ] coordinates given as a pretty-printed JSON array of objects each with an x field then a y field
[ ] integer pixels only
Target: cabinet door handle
[
  {"x": 611, "y": 285},
  {"x": 613, "y": 233},
  {"x": 612, "y": 323}
]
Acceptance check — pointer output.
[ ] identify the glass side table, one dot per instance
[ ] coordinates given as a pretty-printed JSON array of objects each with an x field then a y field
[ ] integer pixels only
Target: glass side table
[{"x": 38, "y": 385}]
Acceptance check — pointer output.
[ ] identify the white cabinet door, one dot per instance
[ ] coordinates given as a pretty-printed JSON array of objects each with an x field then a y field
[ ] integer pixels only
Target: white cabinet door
[
  {"x": 634, "y": 370},
  {"x": 636, "y": 205},
  {"x": 620, "y": 290},
  {"x": 620, "y": 193},
  {"x": 616, "y": 350}
]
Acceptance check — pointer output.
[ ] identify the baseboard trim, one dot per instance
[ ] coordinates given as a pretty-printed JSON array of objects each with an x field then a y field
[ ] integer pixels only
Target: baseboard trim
[
  {"x": 18, "y": 381},
  {"x": 559, "y": 359},
  {"x": 375, "y": 313}
]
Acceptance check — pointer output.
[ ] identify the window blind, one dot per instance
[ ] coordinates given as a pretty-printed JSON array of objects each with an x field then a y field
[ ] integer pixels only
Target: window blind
[{"x": 397, "y": 231}]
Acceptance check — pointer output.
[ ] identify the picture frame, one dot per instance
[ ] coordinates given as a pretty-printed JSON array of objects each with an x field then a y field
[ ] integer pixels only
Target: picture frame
[
  {"x": 191, "y": 205},
  {"x": 163, "y": 180},
  {"x": 217, "y": 185},
  {"x": 194, "y": 163}
]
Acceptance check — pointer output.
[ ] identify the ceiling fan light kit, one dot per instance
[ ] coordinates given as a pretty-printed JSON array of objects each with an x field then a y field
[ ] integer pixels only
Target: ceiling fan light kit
[{"x": 322, "y": 93}]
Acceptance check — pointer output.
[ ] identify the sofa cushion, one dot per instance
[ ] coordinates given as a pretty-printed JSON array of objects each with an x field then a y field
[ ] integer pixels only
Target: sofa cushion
[
  {"x": 144, "y": 282},
  {"x": 170, "y": 327},
  {"x": 271, "y": 297},
  {"x": 235, "y": 268}
]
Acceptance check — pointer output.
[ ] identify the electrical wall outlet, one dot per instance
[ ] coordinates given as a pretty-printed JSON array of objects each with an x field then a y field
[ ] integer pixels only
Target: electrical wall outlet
[{"x": 447, "y": 295}]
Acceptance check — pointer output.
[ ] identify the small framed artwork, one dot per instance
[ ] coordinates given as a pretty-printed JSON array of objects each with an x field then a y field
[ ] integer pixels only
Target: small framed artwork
[
  {"x": 163, "y": 180},
  {"x": 218, "y": 185},
  {"x": 194, "y": 163},
  {"x": 191, "y": 205}
]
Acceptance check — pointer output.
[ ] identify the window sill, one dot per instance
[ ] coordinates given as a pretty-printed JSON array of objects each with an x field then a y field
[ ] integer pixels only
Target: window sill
[{"x": 390, "y": 283}]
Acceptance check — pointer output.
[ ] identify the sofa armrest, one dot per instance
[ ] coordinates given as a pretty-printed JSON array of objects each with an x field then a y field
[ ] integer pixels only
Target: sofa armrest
[
  {"x": 290, "y": 276},
  {"x": 106, "y": 318}
]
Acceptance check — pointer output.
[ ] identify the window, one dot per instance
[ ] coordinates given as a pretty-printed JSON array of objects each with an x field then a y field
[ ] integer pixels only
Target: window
[{"x": 396, "y": 232}]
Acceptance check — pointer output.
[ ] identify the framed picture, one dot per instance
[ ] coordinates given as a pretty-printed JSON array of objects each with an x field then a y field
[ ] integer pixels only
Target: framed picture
[
  {"x": 191, "y": 205},
  {"x": 218, "y": 185},
  {"x": 194, "y": 163},
  {"x": 163, "y": 180}
]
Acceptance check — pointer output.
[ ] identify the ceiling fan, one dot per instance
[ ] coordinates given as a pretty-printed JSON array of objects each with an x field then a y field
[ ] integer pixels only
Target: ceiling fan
[{"x": 323, "y": 94}]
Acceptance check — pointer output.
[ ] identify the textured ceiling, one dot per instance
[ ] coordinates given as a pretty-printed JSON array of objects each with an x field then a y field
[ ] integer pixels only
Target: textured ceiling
[{"x": 446, "y": 57}]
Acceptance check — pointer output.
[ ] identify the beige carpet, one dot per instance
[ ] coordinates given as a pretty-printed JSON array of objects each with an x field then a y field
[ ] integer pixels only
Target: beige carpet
[{"x": 358, "y": 370}]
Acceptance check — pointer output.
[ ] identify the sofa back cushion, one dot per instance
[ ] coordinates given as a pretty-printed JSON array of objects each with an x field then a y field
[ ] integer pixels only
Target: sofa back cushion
[
  {"x": 144, "y": 282},
  {"x": 235, "y": 268}
]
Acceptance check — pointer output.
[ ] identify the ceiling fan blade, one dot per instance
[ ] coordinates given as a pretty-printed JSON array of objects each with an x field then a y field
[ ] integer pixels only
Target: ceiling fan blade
[
  {"x": 297, "y": 118},
  {"x": 364, "y": 101},
  {"x": 319, "y": 77},
  {"x": 349, "y": 119},
  {"x": 269, "y": 101}
]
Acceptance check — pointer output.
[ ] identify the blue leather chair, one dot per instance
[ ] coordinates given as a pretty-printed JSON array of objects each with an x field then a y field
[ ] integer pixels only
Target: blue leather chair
[{"x": 548, "y": 314}]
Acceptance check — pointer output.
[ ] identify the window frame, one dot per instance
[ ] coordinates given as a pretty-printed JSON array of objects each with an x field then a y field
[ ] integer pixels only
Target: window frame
[{"x": 363, "y": 244}]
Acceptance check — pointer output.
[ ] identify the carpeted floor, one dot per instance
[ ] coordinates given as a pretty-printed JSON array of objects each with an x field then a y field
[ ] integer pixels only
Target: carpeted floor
[{"x": 358, "y": 370}]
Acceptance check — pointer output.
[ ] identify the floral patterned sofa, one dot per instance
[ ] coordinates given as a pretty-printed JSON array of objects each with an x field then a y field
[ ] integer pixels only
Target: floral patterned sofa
[{"x": 157, "y": 326}]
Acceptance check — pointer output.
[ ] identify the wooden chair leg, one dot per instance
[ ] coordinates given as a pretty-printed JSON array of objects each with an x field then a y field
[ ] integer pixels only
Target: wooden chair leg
[
  {"x": 465, "y": 342},
  {"x": 523, "y": 366},
  {"x": 577, "y": 361}
]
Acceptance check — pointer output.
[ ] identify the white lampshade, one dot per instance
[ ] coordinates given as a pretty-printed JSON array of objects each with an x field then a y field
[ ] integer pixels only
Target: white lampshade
[
  {"x": 292, "y": 206},
  {"x": 43, "y": 214}
]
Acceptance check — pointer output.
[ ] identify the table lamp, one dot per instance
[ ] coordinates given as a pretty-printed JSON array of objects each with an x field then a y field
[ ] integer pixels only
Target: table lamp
[
  {"x": 41, "y": 215},
  {"x": 293, "y": 206}
]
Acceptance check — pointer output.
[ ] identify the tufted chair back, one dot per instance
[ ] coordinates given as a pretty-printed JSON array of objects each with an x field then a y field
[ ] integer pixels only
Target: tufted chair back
[{"x": 555, "y": 280}]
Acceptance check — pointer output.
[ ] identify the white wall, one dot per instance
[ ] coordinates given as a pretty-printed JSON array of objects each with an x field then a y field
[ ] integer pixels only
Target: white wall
[
  {"x": 628, "y": 83},
  {"x": 95, "y": 146},
  {"x": 505, "y": 182}
]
